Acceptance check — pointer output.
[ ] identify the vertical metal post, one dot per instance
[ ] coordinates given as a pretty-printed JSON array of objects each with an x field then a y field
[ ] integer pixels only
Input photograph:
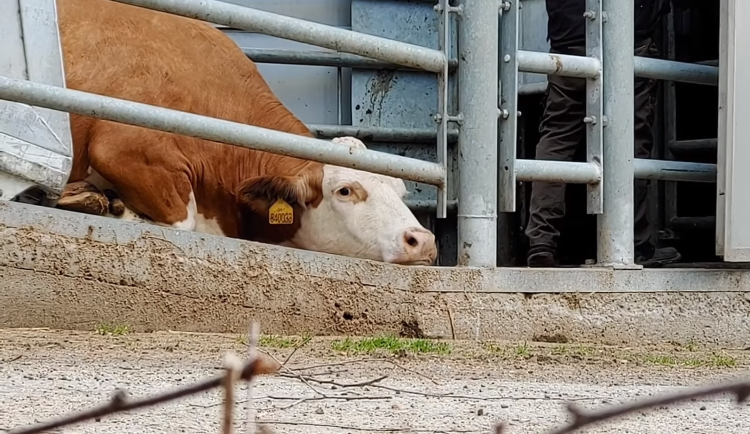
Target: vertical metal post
[
  {"x": 477, "y": 139},
  {"x": 615, "y": 224},
  {"x": 594, "y": 112},
  {"x": 443, "y": 117},
  {"x": 508, "y": 113},
  {"x": 670, "y": 122}
]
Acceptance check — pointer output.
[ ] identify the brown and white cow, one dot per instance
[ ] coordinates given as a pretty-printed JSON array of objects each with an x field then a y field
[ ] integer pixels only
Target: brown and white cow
[{"x": 141, "y": 55}]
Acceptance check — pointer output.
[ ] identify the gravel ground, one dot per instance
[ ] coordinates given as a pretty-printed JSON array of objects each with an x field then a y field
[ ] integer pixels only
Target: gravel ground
[{"x": 45, "y": 373}]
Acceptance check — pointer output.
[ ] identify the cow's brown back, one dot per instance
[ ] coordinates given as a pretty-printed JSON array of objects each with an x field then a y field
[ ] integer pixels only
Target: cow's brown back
[{"x": 142, "y": 55}]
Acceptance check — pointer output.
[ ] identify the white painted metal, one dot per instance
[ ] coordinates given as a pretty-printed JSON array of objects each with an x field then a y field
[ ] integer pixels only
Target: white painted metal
[
  {"x": 733, "y": 202},
  {"x": 35, "y": 143}
]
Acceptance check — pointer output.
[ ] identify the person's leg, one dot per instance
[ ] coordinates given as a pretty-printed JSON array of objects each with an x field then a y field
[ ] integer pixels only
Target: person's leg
[
  {"x": 646, "y": 253},
  {"x": 562, "y": 132}
]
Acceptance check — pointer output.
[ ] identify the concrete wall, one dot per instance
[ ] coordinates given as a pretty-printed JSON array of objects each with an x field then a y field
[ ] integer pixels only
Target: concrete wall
[{"x": 65, "y": 270}]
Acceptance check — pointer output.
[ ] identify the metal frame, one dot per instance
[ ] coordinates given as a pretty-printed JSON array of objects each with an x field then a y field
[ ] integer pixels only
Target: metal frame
[
  {"x": 477, "y": 137},
  {"x": 509, "y": 68},
  {"x": 609, "y": 76},
  {"x": 35, "y": 143},
  {"x": 595, "y": 120},
  {"x": 732, "y": 239}
]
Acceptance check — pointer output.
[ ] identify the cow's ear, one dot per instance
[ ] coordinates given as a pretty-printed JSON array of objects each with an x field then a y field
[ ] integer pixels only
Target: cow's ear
[
  {"x": 270, "y": 208},
  {"x": 260, "y": 192}
]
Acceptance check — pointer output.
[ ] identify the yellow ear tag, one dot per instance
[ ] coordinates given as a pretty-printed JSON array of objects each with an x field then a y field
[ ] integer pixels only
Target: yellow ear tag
[{"x": 280, "y": 213}]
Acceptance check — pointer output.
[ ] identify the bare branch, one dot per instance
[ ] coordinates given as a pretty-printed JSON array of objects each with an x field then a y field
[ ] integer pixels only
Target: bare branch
[
  {"x": 582, "y": 418},
  {"x": 252, "y": 339},
  {"x": 373, "y": 383},
  {"x": 119, "y": 402},
  {"x": 349, "y": 362},
  {"x": 233, "y": 365},
  {"x": 356, "y": 428}
]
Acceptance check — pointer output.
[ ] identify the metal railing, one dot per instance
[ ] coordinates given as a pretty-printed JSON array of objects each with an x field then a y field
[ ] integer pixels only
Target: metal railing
[
  {"x": 487, "y": 173},
  {"x": 610, "y": 166}
]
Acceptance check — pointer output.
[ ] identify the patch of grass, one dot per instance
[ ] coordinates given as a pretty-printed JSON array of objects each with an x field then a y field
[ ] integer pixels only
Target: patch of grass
[
  {"x": 522, "y": 350},
  {"x": 390, "y": 344},
  {"x": 112, "y": 329},
  {"x": 583, "y": 350},
  {"x": 560, "y": 350},
  {"x": 277, "y": 341},
  {"x": 722, "y": 360},
  {"x": 660, "y": 359},
  {"x": 494, "y": 348},
  {"x": 716, "y": 360}
]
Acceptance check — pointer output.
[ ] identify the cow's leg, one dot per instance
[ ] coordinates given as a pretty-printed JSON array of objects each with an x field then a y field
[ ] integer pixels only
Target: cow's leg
[{"x": 150, "y": 180}]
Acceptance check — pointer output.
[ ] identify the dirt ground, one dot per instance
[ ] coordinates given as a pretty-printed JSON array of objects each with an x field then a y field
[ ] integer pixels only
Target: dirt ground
[{"x": 428, "y": 386}]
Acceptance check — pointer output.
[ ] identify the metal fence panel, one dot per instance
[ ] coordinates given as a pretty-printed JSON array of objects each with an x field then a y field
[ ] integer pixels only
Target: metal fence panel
[
  {"x": 733, "y": 206},
  {"x": 35, "y": 143}
]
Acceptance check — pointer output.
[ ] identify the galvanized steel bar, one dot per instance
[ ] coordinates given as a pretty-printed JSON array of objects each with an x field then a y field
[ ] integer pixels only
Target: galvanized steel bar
[
  {"x": 558, "y": 64},
  {"x": 660, "y": 69},
  {"x": 616, "y": 223},
  {"x": 477, "y": 137},
  {"x": 430, "y": 206},
  {"x": 663, "y": 170},
  {"x": 532, "y": 88},
  {"x": 444, "y": 9},
  {"x": 323, "y": 58},
  {"x": 586, "y": 67},
  {"x": 698, "y": 145},
  {"x": 557, "y": 172},
  {"x": 309, "y": 32},
  {"x": 509, "y": 44},
  {"x": 381, "y": 134},
  {"x": 588, "y": 173},
  {"x": 218, "y": 130},
  {"x": 594, "y": 119}
]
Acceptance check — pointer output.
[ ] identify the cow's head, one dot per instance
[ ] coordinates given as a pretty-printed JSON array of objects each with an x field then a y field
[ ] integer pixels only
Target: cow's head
[{"x": 336, "y": 210}]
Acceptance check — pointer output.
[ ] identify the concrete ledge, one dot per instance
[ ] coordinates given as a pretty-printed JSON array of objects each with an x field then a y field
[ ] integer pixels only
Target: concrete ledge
[{"x": 66, "y": 270}]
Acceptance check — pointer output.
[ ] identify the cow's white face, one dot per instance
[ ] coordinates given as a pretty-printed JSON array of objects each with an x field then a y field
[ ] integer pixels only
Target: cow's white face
[
  {"x": 355, "y": 213},
  {"x": 363, "y": 215}
]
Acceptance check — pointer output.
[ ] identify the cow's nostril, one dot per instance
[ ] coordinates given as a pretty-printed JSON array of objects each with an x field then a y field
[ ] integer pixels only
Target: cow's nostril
[{"x": 411, "y": 240}]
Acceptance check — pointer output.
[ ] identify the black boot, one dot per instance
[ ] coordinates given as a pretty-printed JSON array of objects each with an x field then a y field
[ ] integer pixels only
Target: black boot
[
  {"x": 541, "y": 256},
  {"x": 651, "y": 258}
]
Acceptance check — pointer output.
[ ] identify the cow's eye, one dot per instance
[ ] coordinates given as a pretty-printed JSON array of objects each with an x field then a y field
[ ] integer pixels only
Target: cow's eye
[{"x": 344, "y": 191}]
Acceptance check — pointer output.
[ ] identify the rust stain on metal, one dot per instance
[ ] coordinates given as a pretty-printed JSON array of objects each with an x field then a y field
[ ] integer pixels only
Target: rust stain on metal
[{"x": 558, "y": 63}]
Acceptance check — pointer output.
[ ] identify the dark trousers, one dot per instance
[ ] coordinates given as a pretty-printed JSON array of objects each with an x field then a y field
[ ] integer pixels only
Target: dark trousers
[{"x": 563, "y": 134}]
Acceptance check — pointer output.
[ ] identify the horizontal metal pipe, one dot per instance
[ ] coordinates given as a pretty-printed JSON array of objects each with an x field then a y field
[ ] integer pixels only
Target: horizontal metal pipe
[
  {"x": 680, "y": 171},
  {"x": 693, "y": 223},
  {"x": 280, "y": 26},
  {"x": 218, "y": 130},
  {"x": 558, "y": 64},
  {"x": 532, "y": 88},
  {"x": 557, "y": 171},
  {"x": 380, "y": 134},
  {"x": 688, "y": 146},
  {"x": 429, "y": 205},
  {"x": 660, "y": 69},
  {"x": 323, "y": 58},
  {"x": 587, "y": 173},
  {"x": 584, "y": 67}
]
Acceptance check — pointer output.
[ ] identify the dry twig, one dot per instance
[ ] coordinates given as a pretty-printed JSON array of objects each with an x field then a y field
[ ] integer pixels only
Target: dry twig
[
  {"x": 582, "y": 418},
  {"x": 252, "y": 340},
  {"x": 356, "y": 428},
  {"x": 349, "y": 362},
  {"x": 234, "y": 365},
  {"x": 119, "y": 402}
]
